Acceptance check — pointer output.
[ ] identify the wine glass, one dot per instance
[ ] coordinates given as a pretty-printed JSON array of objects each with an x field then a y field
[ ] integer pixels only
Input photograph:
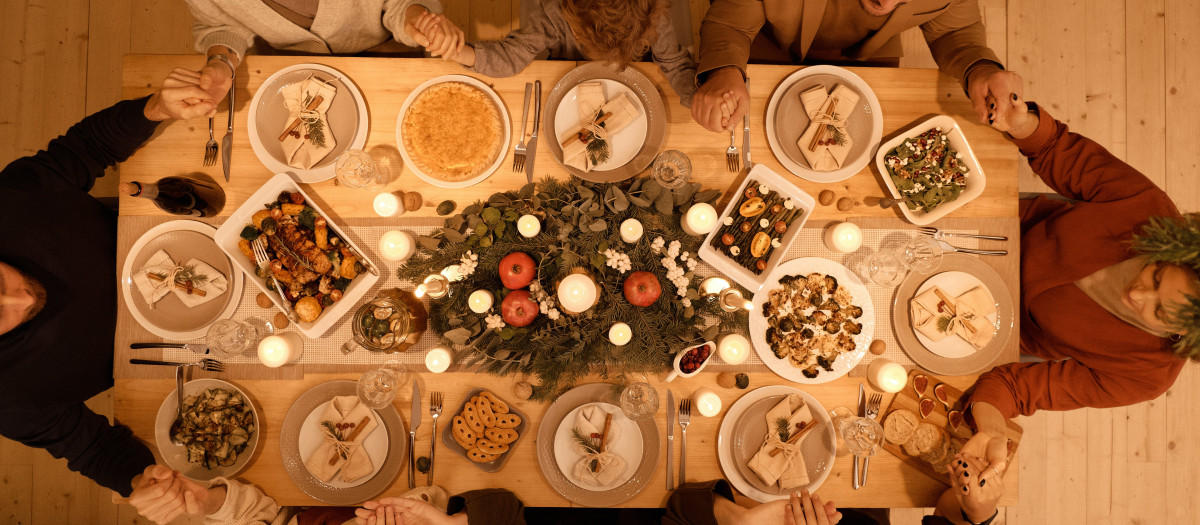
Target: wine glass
[
  {"x": 377, "y": 388},
  {"x": 885, "y": 267},
  {"x": 922, "y": 254},
  {"x": 639, "y": 401},
  {"x": 356, "y": 168},
  {"x": 863, "y": 436},
  {"x": 231, "y": 338}
]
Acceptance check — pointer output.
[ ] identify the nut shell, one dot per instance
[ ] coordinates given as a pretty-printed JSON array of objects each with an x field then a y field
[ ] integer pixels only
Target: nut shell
[
  {"x": 281, "y": 321},
  {"x": 263, "y": 300},
  {"x": 878, "y": 346},
  {"x": 845, "y": 203},
  {"x": 825, "y": 197}
]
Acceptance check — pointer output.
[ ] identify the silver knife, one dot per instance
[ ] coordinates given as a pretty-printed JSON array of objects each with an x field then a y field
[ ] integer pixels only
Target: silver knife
[
  {"x": 746, "y": 142},
  {"x": 947, "y": 247},
  {"x": 227, "y": 141},
  {"x": 524, "y": 121},
  {"x": 670, "y": 439},
  {"x": 412, "y": 436},
  {"x": 862, "y": 412},
  {"x": 531, "y": 153},
  {"x": 197, "y": 348}
]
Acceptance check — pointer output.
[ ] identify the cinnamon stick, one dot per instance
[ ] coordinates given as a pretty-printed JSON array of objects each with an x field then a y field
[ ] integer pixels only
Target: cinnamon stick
[
  {"x": 191, "y": 290},
  {"x": 820, "y": 134},
  {"x": 796, "y": 436},
  {"x": 316, "y": 101},
  {"x": 575, "y": 136},
  {"x": 353, "y": 434},
  {"x": 604, "y": 436}
]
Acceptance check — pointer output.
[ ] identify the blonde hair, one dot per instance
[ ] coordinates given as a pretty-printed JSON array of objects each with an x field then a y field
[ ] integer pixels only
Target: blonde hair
[{"x": 614, "y": 31}]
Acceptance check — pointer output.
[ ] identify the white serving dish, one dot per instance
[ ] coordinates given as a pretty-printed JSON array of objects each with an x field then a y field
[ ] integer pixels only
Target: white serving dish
[
  {"x": 737, "y": 272},
  {"x": 230, "y": 232},
  {"x": 976, "y": 181}
]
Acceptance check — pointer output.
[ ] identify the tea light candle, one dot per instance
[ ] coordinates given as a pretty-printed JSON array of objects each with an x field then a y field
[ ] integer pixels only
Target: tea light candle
[
  {"x": 438, "y": 359},
  {"x": 435, "y": 286},
  {"x": 632, "y": 230},
  {"x": 707, "y": 402},
  {"x": 529, "y": 226},
  {"x": 843, "y": 237},
  {"x": 282, "y": 349},
  {"x": 396, "y": 245},
  {"x": 886, "y": 375},
  {"x": 734, "y": 349},
  {"x": 700, "y": 219},
  {"x": 620, "y": 334},
  {"x": 577, "y": 293},
  {"x": 480, "y": 301},
  {"x": 387, "y": 204}
]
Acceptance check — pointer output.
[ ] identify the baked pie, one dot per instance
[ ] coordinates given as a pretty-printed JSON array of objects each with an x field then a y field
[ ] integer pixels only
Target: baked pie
[{"x": 452, "y": 131}]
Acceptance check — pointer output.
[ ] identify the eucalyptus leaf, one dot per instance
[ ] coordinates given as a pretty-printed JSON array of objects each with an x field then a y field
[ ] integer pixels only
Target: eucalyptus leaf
[
  {"x": 622, "y": 202},
  {"x": 456, "y": 222},
  {"x": 707, "y": 196},
  {"x": 527, "y": 190},
  {"x": 458, "y": 336},
  {"x": 665, "y": 203},
  {"x": 500, "y": 229},
  {"x": 454, "y": 322},
  {"x": 481, "y": 230},
  {"x": 506, "y": 333},
  {"x": 683, "y": 193},
  {"x": 636, "y": 184},
  {"x": 453, "y": 235},
  {"x": 472, "y": 209},
  {"x": 598, "y": 261},
  {"x": 599, "y": 225},
  {"x": 585, "y": 192},
  {"x": 491, "y": 215},
  {"x": 485, "y": 242},
  {"x": 710, "y": 333},
  {"x": 689, "y": 312},
  {"x": 693, "y": 294},
  {"x": 602, "y": 246},
  {"x": 651, "y": 189},
  {"x": 640, "y": 202},
  {"x": 446, "y": 207},
  {"x": 429, "y": 243},
  {"x": 536, "y": 202},
  {"x": 501, "y": 355},
  {"x": 511, "y": 215},
  {"x": 499, "y": 200},
  {"x": 473, "y": 220}
]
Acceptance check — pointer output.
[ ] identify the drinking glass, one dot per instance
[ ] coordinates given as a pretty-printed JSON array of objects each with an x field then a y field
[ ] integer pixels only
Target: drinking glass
[
  {"x": 639, "y": 401},
  {"x": 885, "y": 267},
  {"x": 230, "y": 338},
  {"x": 922, "y": 254},
  {"x": 377, "y": 388},
  {"x": 356, "y": 168},
  {"x": 671, "y": 169},
  {"x": 863, "y": 436},
  {"x": 837, "y": 415}
]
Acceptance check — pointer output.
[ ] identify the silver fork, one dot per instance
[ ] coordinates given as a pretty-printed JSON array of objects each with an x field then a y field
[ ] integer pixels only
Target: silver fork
[
  {"x": 210, "y": 148},
  {"x": 264, "y": 262},
  {"x": 941, "y": 235},
  {"x": 685, "y": 418},
  {"x": 732, "y": 160},
  {"x": 872, "y": 412},
  {"x": 435, "y": 410},
  {"x": 519, "y": 152},
  {"x": 206, "y": 364}
]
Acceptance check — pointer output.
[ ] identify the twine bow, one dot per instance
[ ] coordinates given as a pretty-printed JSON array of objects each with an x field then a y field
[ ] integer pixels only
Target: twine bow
[{"x": 342, "y": 449}]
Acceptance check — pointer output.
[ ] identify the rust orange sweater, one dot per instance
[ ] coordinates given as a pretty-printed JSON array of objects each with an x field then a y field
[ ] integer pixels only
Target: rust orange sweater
[{"x": 1093, "y": 359}]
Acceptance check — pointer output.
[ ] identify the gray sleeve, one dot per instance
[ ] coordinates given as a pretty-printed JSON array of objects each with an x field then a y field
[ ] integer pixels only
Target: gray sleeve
[
  {"x": 212, "y": 27},
  {"x": 395, "y": 16},
  {"x": 674, "y": 61},
  {"x": 513, "y": 53}
]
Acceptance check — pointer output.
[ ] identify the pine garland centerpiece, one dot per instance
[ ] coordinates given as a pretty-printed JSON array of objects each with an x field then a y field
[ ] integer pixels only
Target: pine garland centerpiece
[{"x": 580, "y": 234}]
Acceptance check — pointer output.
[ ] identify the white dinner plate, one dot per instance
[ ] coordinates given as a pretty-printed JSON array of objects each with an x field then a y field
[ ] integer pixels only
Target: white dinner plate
[
  {"x": 312, "y": 435},
  {"x": 845, "y": 361},
  {"x": 628, "y": 446},
  {"x": 625, "y": 144},
  {"x": 953, "y": 284},
  {"x": 175, "y": 456}
]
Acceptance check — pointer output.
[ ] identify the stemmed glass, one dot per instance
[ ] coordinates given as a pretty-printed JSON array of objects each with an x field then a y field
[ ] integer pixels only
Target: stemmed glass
[
  {"x": 885, "y": 267},
  {"x": 639, "y": 401},
  {"x": 377, "y": 388}
]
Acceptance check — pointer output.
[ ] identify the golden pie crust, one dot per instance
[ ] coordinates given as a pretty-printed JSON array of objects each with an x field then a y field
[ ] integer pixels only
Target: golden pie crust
[{"x": 452, "y": 131}]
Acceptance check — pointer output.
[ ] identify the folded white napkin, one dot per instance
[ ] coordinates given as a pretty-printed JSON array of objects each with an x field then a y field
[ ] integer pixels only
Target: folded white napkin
[
  {"x": 153, "y": 290},
  {"x": 597, "y": 469},
  {"x": 590, "y": 420},
  {"x": 315, "y": 139},
  {"x": 214, "y": 284},
  {"x": 786, "y": 468},
  {"x": 341, "y": 453},
  {"x": 591, "y": 102},
  {"x": 817, "y": 104},
  {"x": 970, "y": 321},
  {"x": 207, "y": 279}
]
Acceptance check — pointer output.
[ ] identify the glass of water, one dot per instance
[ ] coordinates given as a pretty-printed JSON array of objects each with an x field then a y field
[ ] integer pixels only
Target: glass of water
[
  {"x": 356, "y": 168},
  {"x": 230, "y": 338},
  {"x": 885, "y": 267},
  {"x": 639, "y": 401},
  {"x": 922, "y": 254},
  {"x": 863, "y": 436},
  {"x": 377, "y": 388},
  {"x": 671, "y": 169}
]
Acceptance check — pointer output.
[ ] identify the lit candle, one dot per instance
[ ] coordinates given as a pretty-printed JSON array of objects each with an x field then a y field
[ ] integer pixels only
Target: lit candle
[
  {"x": 529, "y": 226},
  {"x": 631, "y": 230},
  {"x": 387, "y": 204},
  {"x": 733, "y": 348},
  {"x": 707, "y": 402},
  {"x": 620, "y": 334},
  {"x": 843, "y": 237},
  {"x": 281, "y": 349},
  {"x": 713, "y": 286},
  {"x": 731, "y": 300},
  {"x": 396, "y": 245},
  {"x": 577, "y": 293},
  {"x": 886, "y": 375},
  {"x": 700, "y": 219},
  {"x": 438, "y": 359},
  {"x": 435, "y": 286},
  {"x": 480, "y": 301}
]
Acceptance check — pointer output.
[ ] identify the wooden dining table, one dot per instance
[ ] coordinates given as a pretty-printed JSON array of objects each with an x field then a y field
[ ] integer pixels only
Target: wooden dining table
[{"x": 906, "y": 97}]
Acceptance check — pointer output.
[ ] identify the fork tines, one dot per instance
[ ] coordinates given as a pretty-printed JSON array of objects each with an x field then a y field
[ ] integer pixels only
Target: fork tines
[
  {"x": 210, "y": 154},
  {"x": 685, "y": 409},
  {"x": 927, "y": 230},
  {"x": 435, "y": 403},
  {"x": 519, "y": 161},
  {"x": 733, "y": 159},
  {"x": 211, "y": 365}
]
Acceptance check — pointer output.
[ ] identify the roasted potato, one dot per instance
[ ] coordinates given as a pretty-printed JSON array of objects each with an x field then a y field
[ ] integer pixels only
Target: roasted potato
[
  {"x": 347, "y": 269},
  {"x": 308, "y": 308},
  {"x": 246, "y": 250},
  {"x": 292, "y": 209},
  {"x": 258, "y": 217}
]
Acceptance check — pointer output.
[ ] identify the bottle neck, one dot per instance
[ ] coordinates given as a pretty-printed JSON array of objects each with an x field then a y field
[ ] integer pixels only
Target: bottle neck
[{"x": 140, "y": 189}]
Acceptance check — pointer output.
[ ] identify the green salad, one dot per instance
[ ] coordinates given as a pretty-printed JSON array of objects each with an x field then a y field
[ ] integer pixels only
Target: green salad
[{"x": 927, "y": 170}]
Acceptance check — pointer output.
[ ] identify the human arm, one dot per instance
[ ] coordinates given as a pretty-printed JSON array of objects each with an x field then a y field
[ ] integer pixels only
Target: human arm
[
  {"x": 725, "y": 36},
  {"x": 674, "y": 61},
  {"x": 213, "y": 27},
  {"x": 400, "y": 17},
  {"x": 513, "y": 53},
  {"x": 807, "y": 509},
  {"x": 491, "y": 506},
  {"x": 958, "y": 41},
  {"x": 1024, "y": 388}
]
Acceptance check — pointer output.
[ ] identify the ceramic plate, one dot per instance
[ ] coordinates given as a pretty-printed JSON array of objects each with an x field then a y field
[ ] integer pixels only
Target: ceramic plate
[
  {"x": 560, "y": 104},
  {"x": 743, "y": 431},
  {"x": 498, "y": 463},
  {"x": 388, "y": 463},
  {"x": 953, "y": 284},
  {"x": 547, "y": 460},
  {"x": 976, "y": 181},
  {"x": 175, "y": 456},
  {"x": 348, "y": 119},
  {"x": 959, "y": 270},
  {"x": 786, "y": 121},
  {"x": 169, "y": 317},
  {"x": 625, "y": 144},
  {"x": 312, "y": 435},
  {"x": 628, "y": 446},
  {"x": 845, "y": 361}
]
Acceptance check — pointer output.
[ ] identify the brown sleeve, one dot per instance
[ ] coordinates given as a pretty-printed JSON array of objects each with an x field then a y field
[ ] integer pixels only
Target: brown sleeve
[
  {"x": 692, "y": 503},
  {"x": 957, "y": 39},
  {"x": 726, "y": 33},
  {"x": 488, "y": 507}
]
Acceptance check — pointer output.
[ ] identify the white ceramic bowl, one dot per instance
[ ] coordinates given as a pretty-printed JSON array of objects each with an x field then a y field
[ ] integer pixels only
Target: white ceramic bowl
[
  {"x": 976, "y": 181},
  {"x": 678, "y": 372}
]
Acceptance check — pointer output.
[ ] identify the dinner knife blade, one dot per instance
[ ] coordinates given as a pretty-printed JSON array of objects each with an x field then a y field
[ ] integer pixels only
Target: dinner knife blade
[
  {"x": 947, "y": 247},
  {"x": 227, "y": 141},
  {"x": 531, "y": 152},
  {"x": 670, "y": 439},
  {"x": 416, "y": 408},
  {"x": 412, "y": 435},
  {"x": 746, "y": 141},
  {"x": 195, "y": 348},
  {"x": 862, "y": 412}
]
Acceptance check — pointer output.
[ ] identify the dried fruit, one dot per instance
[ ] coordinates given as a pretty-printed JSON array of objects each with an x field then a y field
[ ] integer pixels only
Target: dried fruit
[
  {"x": 523, "y": 390},
  {"x": 878, "y": 346},
  {"x": 742, "y": 380},
  {"x": 845, "y": 203},
  {"x": 751, "y": 192},
  {"x": 777, "y": 208},
  {"x": 927, "y": 406},
  {"x": 780, "y": 227},
  {"x": 752, "y": 207},
  {"x": 956, "y": 418},
  {"x": 745, "y": 226},
  {"x": 446, "y": 207},
  {"x": 726, "y": 380},
  {"x": 825, "y": 197},
  {"x": 942, "y": 393},
  {"x": 761, "y": 265},
  {"x": 263, "y": 300},
  {"x": 727, "y": 239},
  {"x": 920, "y": 383}
]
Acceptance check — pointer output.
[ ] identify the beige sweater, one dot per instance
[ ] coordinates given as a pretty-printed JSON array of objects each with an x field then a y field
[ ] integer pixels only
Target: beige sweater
[
  {"x": 246, "y": 505},
  {"x": 340, "y": 26}
]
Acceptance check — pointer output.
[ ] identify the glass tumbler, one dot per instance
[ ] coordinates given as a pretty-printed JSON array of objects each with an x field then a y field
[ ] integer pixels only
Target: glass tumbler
[
  {"x": 671, "y": 169},
  {"x": 377, "y": 388},
  {"x": 639, "y": 401},
  {"x": 922, "y": 254},
  {"x": 885, "y": 267},
  {"x": 231, "y": 338},
  {"x": 356, "y": 168},
  {"x": 863, "y": 436}
]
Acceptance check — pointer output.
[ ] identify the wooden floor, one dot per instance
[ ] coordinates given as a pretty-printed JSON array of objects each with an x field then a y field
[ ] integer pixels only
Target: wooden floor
[{"x": 1124, "y": 72}]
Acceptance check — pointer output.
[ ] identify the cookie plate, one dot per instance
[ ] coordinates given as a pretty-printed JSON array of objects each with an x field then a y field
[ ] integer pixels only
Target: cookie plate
[{"x": 498, "y": 463}]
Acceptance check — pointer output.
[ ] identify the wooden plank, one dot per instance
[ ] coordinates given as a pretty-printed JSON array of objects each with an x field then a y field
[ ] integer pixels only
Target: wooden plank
[
  {"x": 1181, "y": 470},
  {"x": 1055, "y": 488},
  {"x": 52, "y": 488},
  {"x": 916, "y": 51},
  {"x": 1147, "y": 493},
  {"x": 108, "y": 25},
  {"x": 1034, "y": 470},
  {"x": 1105, "y": 65},
  {"x": 1182, "y": 102},
  {"x": 1145, "y": 88},
  {"x": 16, "y": 494},
  {"x": 460, "y": 14},
  {"x": 1099, "y": 451},
  {"x": 14, "y": 54},
  {"x": 1120, "y": 481},
  {"x": 162, "y": 27},
  {"x": 1076, "y": 471},
  {"x": 491, "y": 19},
  {"x": 1023, "y": 53},
  {"x": 995, "y": 20}
]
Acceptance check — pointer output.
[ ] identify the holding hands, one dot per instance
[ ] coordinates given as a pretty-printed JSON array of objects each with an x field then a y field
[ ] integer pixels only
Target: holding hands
[
  {"x": 806, "y": 509},
  {"x": 404, "y": 511},
  {"x": 438, "y": 35},
  {"x": 1011, "y": 115},
  {"x": 161, "y": 494},
  {"x": 721, "y": 102},
  {"x": 976, "y": 486},
  {"x": 182, "y": 97}
]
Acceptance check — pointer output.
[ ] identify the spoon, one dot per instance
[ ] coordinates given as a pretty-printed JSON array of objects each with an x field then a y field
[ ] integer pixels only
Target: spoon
[{"x": 888, "y": 202}]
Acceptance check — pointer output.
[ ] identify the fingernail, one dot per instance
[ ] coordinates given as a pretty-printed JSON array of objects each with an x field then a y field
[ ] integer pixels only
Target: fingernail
[
  {"x": 992, "y": 105},
  {"x": 982, "y": 481},
  {"x": 964, "y": 489},
  {"x": 1014, "y": 95},
  {"x": 966, "y": 474},
  {"x": 990, "y": 121}
]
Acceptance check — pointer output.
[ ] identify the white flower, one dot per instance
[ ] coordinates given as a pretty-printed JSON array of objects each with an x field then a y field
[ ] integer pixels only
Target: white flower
[
  {"x": 763, "y": 223},
  {"x": 683, "y": 256},
  {"x": 542, "y": 307},
  {"x": 691, "y": 264},
  {"x": 658, "y": 242},
  {"x": 667, "y": 261},
  {"x": 763, "y": 190},
  {"x": 467, "y": 263},
  {"x": 494, "y": 321},
  {"x": 682, "y": 292},
  {"x": 553, "y": 314},
  {"x": 789, "y": 204},
  {"x": 685, "y": 302},
  {"x": 775, "y": 242},
  {"x": 535, "y": 287}
]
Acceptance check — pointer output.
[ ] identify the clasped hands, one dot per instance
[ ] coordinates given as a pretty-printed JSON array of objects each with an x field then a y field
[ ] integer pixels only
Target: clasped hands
[{"x": 161, "y": 494}]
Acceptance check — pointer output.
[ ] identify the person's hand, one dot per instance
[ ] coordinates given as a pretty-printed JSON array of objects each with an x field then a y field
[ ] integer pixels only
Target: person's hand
[
  {"x": 991, "y": 81},
  {"x": 157, "y": 495},
  {"x": 721, "y": 101},
  {"x": 181, "y": 97},
  {"x": 806, "y": 509},
  {"x": 976, "y": 486},
  {"x": 411, "y": 16},
  {"x": 1015, "y": 119},
  {"x": 216, "y": 78},
  {"x": 993, "y": 450},
  {"x": 443, "y": 38},
  {"x": 403, "y": 511}
]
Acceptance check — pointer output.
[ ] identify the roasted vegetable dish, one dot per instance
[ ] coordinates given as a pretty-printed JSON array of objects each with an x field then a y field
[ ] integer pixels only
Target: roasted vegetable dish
[
  {"x": 312, "y": 264},
  {"x": 215, "y": 427},
  {"x": 927, "y": 170},
  {"x": 811, "y": 321},
  {"x": 756, "y": 225}
]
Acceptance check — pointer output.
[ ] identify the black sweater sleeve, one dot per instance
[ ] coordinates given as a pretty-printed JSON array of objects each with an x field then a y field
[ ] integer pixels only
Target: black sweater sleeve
[
  {"x": 76, "y": 158},
  {"x": 110, "y": 455}
]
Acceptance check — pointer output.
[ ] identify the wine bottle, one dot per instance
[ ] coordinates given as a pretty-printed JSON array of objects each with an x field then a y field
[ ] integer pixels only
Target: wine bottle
[{"x": 180, "y": 195}]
